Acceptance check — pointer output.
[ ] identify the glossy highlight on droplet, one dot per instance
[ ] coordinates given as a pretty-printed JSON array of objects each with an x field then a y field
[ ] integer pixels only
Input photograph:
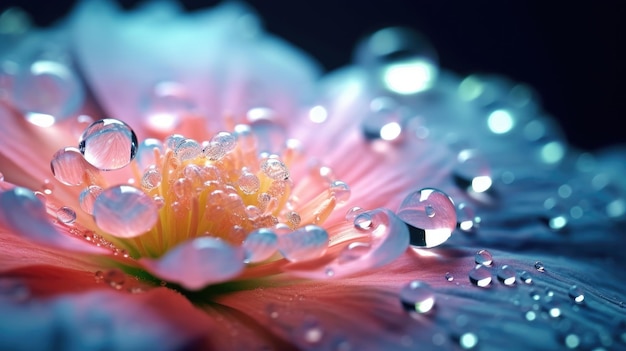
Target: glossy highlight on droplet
[
  {"x": 108, "y": 144},
  {"x": 430, "y": 215}
]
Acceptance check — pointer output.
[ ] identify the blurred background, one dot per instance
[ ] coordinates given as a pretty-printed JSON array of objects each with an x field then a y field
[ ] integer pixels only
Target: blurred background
[{"x": 572, "y": 55}]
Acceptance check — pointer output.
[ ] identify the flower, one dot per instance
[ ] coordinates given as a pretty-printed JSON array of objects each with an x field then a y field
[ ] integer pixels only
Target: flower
[{"x": 178, "y": 181}]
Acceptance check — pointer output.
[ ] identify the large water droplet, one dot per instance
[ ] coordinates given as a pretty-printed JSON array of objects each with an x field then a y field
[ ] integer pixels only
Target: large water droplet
[
  {"x": 480, "y": 276},
  {"x": 417, "y": 296},
  {"x": 430, "y": 215},
  {"x": 66, "y": 215},
  {"x": 340, "y": 190},
  {"x": 47, "y": 92},
  {"x": 68, "y": 166},
  {"x": 108, "y": 144},
  {"x": 260, "y": 245},
  {"x": 306, "y": 243},
  {"x": 125, "y": 211}
]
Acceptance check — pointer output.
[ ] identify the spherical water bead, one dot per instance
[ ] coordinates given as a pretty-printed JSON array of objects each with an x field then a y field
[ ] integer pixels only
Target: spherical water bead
[
  {"x": 449, "y": 277},
  {"x": 260, "y": 245},
  {"x": 275, "y": 169},
  {"x": 47, "y": 92},
  {"x": 525, "y": 277},
  {"x": 188, "y": 149},
  {"x": 417, "y": 296},
  {"x": 385, "y": 120},
  {"x": 172, "y": 141},
  {"x": 472, "y": 171},
  {"x": 151, "y": 179},
  {"x": 540, "y": 267},
  {"x": 270, "y": 133},
  {"x": 306, "y": 243},
  {"x": 352, "y": 213},
  {"x": 506, "y": 275},
  {"x": 363, "y": 221},
  {"x": 145, "y": 152},
  {"x": 466, "y": 218},
  {"x": 125, "y": 211},
  {"x": 66, "y": 215},
  {"x": 108, "y": 144},
  {"x": 576, "y": 293},
  {"x": 249, "y": 183},
  {"x": 340, "y": 190},
  {"x": 166, "y": 105},
  {"x": 88, "y": 197},
  {"x": 293, "y": 218},
  {"x": 68, "y": 166},
  {"x": 225, "y": 140},
  {"x": 399, "y": 59},
  {"x": 430, "y": 215},
  {"x": 480, "y": 276},
  {"x": 483, "y": 257}
]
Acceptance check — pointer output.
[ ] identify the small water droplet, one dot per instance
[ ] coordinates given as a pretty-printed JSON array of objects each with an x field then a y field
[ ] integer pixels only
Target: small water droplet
[
  {"x": 99, "y": 276},
  {"x": 483, "y": 257},
  {"x": 115, "y": 278},
  {"x": 449, "y": 277},
  {"x": 472, "y": 171},
  {"x": 417, "y": 296},
  {"x": 275, "y": 169},
  {"x": 329, "y": 272},
  {"x": 467, "y": 220},
  {"x": 525, "y": 277},
  {"x": 363, "y": 221},
  {"x": 124, "y": 211},
  {"x": 249, "y": 183},
  {"x": 352, "y": 213},
  {"x": 540, "y": 267},
  {"x": 108, "y": 144},
  {"x": 480, "y": 276},
  {"x": 311, "y": 331},
  {"x": 576, "y": 293},
  {"x": 506, "y": 275},
  {"x": 426, "y": 228},
  {"x": 340, "y": 190},
  {"x": 66, "y": 215},
  {"x": 303, "y": 244},
  {"x": 88, "y": 197}
]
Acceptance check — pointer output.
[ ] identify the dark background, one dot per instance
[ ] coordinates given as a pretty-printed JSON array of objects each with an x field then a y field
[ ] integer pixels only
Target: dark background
[{"x": 570, "y": 52}]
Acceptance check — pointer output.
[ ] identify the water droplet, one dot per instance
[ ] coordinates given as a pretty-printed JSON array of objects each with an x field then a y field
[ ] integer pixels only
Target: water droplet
[
  {"x": 384, "y": 121},
  {"x": 66, "y": 215},
  {"x": 151, "y": 179},
  {"x": 340, "y": 190},
  {"x": 417, "y": 296},
  {"x": 428, "y": 230},
  {"x": 188, "y": 149},
  {"x": 306, "y": 243},
  {"x": 166, "y": 105},
  {"x": 480, "y": 276},
  {"x": 466, "y": 218},
  {"x": 125, "y": 211},
  {"x": 525, "y": 277},
  {"x": 352, "y": 213},
  {"x": 249, "y": 183},
  {"x": 449, "y": 277},
  {"x": 483, "y": 257},
  {"x": 572, "y": 341},
  {"x": 68, "y": 166},
  {"x": 540, "y": 267},
  {"x": 576, "y": 293},
  {"x": 115, "y": 278},
  {"x": 506, "y": 275},
  {"x": 108, "y": 144},
  {"x": 47, "y": 92},
  {"x": 472, "y": 171},
  {"x": 275, "y": 169},
  {"x": 311, "y": 331},
  {"x": 99, "y": 276},
  {"x": 260, "y": 245},
  {"x": 330, "y": 272},
  {"x": 363, "y": 221}
]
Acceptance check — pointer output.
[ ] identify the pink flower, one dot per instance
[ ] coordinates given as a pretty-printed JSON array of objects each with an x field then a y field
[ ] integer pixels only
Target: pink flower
[{"x": 186, "y": 181}]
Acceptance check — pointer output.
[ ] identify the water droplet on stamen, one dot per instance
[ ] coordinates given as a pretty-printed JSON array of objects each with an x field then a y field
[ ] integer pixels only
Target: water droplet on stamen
[
  {"x": 108, "y": 144},
  {"x": 188, "y": 149},
  {"x": 525, "y": 277},
  {"x": 151, "y": 179},
  {"x": 249, "y": 183},
  {"x": 426, "y": 228},
  {"x": 483, "y": 257},
  {"x": 417, "y": 296}
]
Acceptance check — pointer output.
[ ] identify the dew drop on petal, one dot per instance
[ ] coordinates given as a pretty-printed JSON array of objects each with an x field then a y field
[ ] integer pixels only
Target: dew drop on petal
[
  {"x": 306, "y": 243},
  {"x": 115, "y": 278},
  {"x": 525, "y": 277},
  {"x": 68, "y": 166},
  {"x": 576, "y": 293},
  {"x": 506, "y": 275},
  {"x": 125, "y": 211},
  {"x": 417, "y": 296},
  {"x": 480, "y": 276},
  {"x": 249, "y": 183},
  {"x": 260, "y": 245},
  {"x": 540, "y": 267},
  {"x": 66, "y": 215},
  {"x": 449, "y": 277},
  {"x": 483, "y": 257},
  {"x": 352, "y": 213},
  {"x": 47, "y": 92},
  {"x": 430, "y": 215},
  {"x": 87, "y": 198},
  {"x": 108, "y": 144},
  {"x": 472, "y": 171},
  {"x": 275, "y": 169},
  {"x": 340, "y": 190}
]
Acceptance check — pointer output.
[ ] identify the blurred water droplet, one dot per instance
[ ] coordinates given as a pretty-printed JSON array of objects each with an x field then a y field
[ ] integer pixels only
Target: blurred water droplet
[
  {"x": 340, "y": 190},
  {"x": 385, "y": 120},
  {"x": 506, "y": 275},
  {"x": 108, "y": 144},
  {"x": 47, "y": 92},
  {"x": 466, "y": 218},
  {"x": 115, "y": 278},
  {"x": 483, "y": 257},
  {"x": 449, "y": 277},
  {"x": 480, "y": 276},
  {"x": 540, "y": 267},
  {"x": 66, "y": 215},
  {"x": 525, "y": 277},
  {"x": 124, "y": 211},
  {"x": 87, "y": 198},
  {"x": 260, "y": 245},
  {"x": 472, "y": 171},
  {"x": 306, "y": 243},
  {"x": 275, "y": 169},
  {"x": 151, "y": 179},
  {"x": 576, "y": 293},
  {"x": 417, "y": 296},
  {"x": 99, "y": 276},
  {"x": 310, "y": 332},
  {"x": 468, "y": 340},
  {"x": 430, "y": 215}
]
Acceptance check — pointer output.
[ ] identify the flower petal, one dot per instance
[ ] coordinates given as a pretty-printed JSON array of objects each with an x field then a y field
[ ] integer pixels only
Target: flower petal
[
  {"x": 24, "y": 214},
  {"x": 197, "y": 263}
]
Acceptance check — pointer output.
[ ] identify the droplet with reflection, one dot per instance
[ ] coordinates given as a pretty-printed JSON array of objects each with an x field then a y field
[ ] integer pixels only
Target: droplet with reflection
[{"x": 430, "y": 215}]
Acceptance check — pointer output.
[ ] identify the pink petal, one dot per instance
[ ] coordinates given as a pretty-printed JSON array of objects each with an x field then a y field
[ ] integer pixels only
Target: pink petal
[
  {"x": 23, "y": 214},
  {"x": 197, "y": 263}
]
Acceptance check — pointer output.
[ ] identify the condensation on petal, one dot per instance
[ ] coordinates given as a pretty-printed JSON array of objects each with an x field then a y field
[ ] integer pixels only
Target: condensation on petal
[
  {"x": 197, "y": 263},
  {"x": 388, "y": 238},
  {"x": 25, "y": 215}
]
